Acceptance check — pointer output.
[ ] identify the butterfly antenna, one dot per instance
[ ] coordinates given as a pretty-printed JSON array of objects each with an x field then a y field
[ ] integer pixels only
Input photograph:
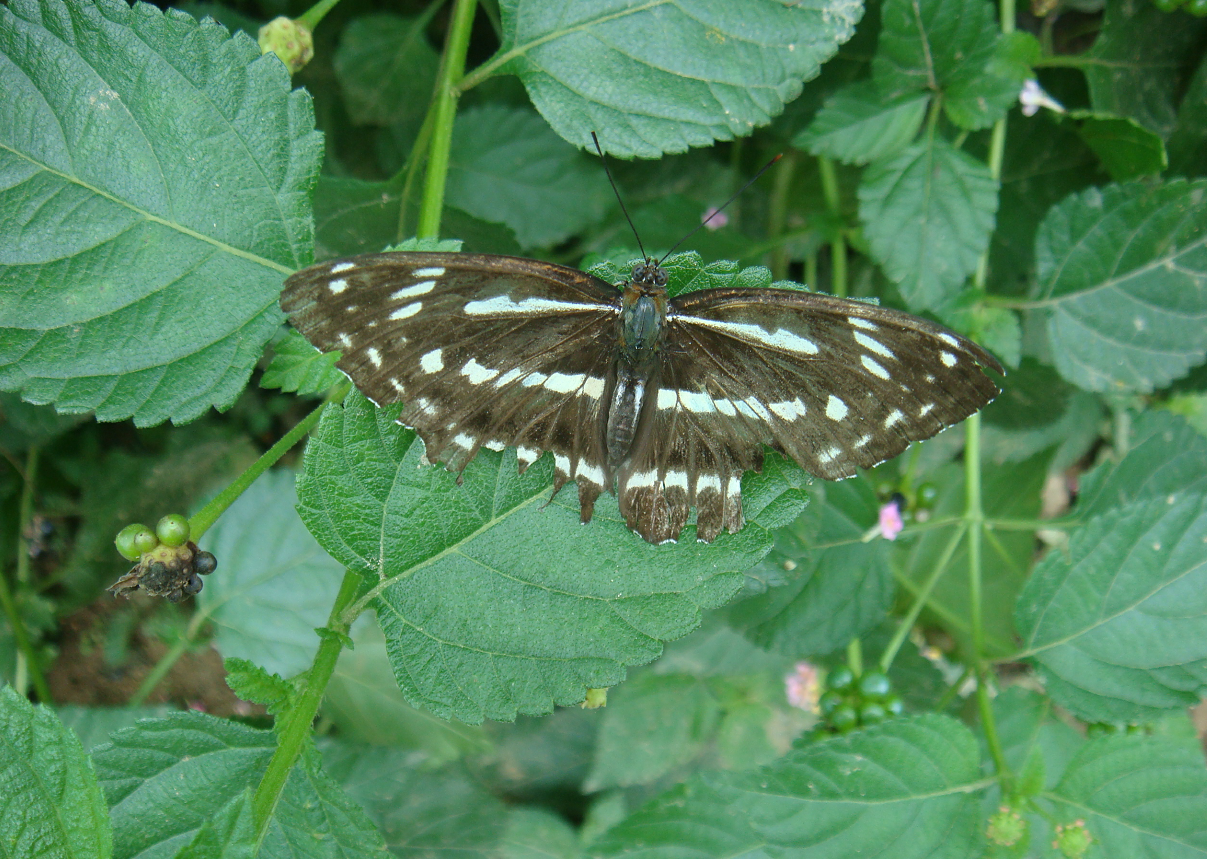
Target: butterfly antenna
[
  {"x": 619, "y": 199},
  {"x": 721, "y": 208}
]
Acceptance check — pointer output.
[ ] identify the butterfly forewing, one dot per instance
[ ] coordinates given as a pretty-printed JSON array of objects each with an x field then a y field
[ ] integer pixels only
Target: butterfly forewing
[{"x": 485, "y": 351}]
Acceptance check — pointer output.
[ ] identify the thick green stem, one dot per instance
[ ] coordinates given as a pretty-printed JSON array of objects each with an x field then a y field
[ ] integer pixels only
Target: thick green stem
[
  {"x": 452, "y": 70},
  {"x": 209, "y": 514},
  {"x": 28, "y": 668},
  {"x": 294, "y": 730},
  {"x": 855, "y": 656},
  {"x": 311, "y": 17}
]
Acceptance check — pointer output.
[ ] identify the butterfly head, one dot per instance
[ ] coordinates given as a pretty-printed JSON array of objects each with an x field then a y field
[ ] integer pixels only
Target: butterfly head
[{"x": 649, "y": 277}]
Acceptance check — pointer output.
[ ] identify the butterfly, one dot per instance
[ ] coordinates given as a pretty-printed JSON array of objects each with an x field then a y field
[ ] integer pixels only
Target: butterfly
[{"x": 665, "y": 400}]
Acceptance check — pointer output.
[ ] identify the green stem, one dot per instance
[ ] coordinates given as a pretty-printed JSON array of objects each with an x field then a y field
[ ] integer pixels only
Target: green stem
[
  {"x": 920, "y": 598},
  {"x": 855, "y": 656},
  {"x": 209, "y": 514},
  {"x": 838, "y": 245},
  {"x": 778, "y": 212},
  {"x": 311, "y": 17},
  {"x": 452, "y": 70},
  {"x": 27, "y": 656},
  {"x": 294, "y": 727}
]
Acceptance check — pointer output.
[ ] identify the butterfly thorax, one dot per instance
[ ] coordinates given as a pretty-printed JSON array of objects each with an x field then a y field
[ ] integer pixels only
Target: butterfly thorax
[{"x": 641, "y": 335}]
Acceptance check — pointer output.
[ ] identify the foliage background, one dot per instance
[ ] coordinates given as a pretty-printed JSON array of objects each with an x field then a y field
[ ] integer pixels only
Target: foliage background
[{"x": 161, "y": 179}]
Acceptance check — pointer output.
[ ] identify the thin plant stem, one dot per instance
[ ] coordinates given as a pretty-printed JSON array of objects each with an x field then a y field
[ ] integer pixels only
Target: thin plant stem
[
  {"x": 312, "y": 16},
  {"x": 838, "y": 245},
  {"x": 452, "y": 70},
  {"x": 164, "y": 664},
  {"x": 294, "y": 725},
  {"x": 29, "y": 671},
  {"x": 855, "y": 656},
  {"x": 920, "y": 599},
  {"x": 777, "y": 216}
]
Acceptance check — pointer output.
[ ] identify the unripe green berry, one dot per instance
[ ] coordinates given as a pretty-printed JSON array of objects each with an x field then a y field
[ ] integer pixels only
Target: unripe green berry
[
  {"x": 830, "y": 701},
  {"x": 894, "y": 705},
  {"x": 1198, "y": 8},
  {"x": 133, "y": 540},
  {"x": 844, "y": 718},
  {"x": 872, "y": 713},
  {"x": 1006, "y": 828},
  {"x": 927, "y": 494},
  {"x": 173, "y": 530},
  {"x": 874, "y": 686},
  {"x": 841, "y": 678},
  {"x": 1073, "y": 840}
]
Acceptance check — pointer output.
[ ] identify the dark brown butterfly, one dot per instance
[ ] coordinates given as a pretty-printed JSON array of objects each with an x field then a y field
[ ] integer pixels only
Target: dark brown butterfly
[{"x": 668, "y": 399}]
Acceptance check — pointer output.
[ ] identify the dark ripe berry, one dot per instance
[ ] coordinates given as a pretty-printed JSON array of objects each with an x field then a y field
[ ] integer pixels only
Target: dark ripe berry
[
  {"x": 844, "y": 718},
  {"x": 174, "y": 596},
  {"x": 874, "y": 686},
  {"x": 871, "y": 713},
  {"x": 194, "y": 585},
  {"x": 204, "y": 563},
  {"x": 173, "y": 530},
  {"x": 830, "y": 701},
  {"x": 841, "y": 678},
  {"x": 894, "y": 705}
]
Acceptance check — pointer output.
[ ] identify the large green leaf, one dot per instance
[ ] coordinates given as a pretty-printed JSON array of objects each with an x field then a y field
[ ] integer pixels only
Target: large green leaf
[
  {"x": 1122, "y": 279},
  {"x": 386, "y": 68},
  {"x": 858, "y": 124},
  {"x": 656, "y": 76},
  {"x": 927, "y": 214},
  {"x": 166, "y": 779},
  {"x": 829, "y": 585},
  {"x": 1118, "y": 624},
  {"x": 493, "y": 599},
  {"x": 155, "y": 192},
  {"x": 50, "y": 803},
  {"x": 1138, "y": 796},
  {"x": 508, "y": 167},
  {"x": 274, "y": 583}
]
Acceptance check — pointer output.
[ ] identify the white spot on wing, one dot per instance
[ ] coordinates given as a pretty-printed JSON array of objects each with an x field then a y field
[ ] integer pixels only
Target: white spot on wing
[
  {"x": 432, "y": 362},
  {"x": 374, "y": 356},
  {"x": 948, "y": 359},
  {"x": 527, "y": 454},
  {"x": 926, "y": 410},
  {"x": 344, "y": 341},
  {"x": 434, "y": 271},
  {"x": 894, "y": 417},
  {"x": 564, "y": 383},
  {"x": 562, "y": 464},
  {"x": 507, "y": 378},
  {"x": 780, "y": 338},
  {"x": 341, "y": 267},
  {"x": 463, "y": 441},
  {"x": 422, "y": 288},
  {"x": 708, "y": 481},
  {"x": 865, "y": 324},
  {"x": 493, "y": 445},
  {"x": 591, "y": 473},
  {"x": 873, "y": 345},
  {"x": 836, "y": 409},
  {"x": 337, "y": 286},
  {"x": 830, "y": 455},
  {"x": 950, "y": 340},
  {"x": 668, "y": 398},
  {"x": 397, "y": 386},
  {"x": 407, "y": 310},
  {"x": 789, "y": 409},
  {"x": 642, "y": 479},
  {"x": 533, "y": 379},
  {"x": 675, "y": 479},
  {"x": 476, "y": 373},
  {"x": 863, "y": 439},
  {"x": 593, "y": 387},
  {"x": 506, "y": 305},
  {"x": 873, "y": 367}
]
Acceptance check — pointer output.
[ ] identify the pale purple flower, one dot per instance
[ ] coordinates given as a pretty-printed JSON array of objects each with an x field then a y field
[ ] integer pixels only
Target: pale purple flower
[{"x": 713, "y": 218}]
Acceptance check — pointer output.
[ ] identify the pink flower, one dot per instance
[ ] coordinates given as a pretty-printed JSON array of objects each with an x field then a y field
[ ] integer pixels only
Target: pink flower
[
  {"x": 890, "y": 520},
  {"x": 803, "y": 688},
  {"x": 713, "y": 218}
]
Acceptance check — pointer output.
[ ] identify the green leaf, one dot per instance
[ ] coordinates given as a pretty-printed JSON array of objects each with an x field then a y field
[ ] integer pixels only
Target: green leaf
[
  {"x": 252, "y": 683},
  {"x": 1126, "y": 149},
  {"x": 695, "y": 819},
  {"x": 157, "y": 186},
  {"x": 166, "y": 779},
  {"x": 508, "y": 167},
  {"x": 638, "y": 744},
  {"x": 1038, "y": 410},
  {"x": 1165, "y": 456},
  {"x": 493, "y": 599},
  {"x": 274, "y": 583},
  {"x": 230, "y": 834},
  {"x": 1139, "y": 796},
  {"x": 858, "y": 124},
  {"x": 927, "y": 215},
  {"x": 385, "y": 67},
  {"x": 1011, "y": 492},
  {"x": 297, "y": 367},
  {"x": 50, "y": 804},
  {"x": 1138, "y": 65},
  {"x": 533, "y": 833},
  {"x": 1187, "y": 155},
  {"x": 659, "y": 77},
  {"x": 423, "y": 812},
  {"x": 1122, "y": 280},
  {"x": 1033, "y": 737},
  {"x": 1118, "y": 625},
  {"x": 980, "y": 89},
  {"x": 828, "y": 586},
  {"x": 906, "y": 788}
]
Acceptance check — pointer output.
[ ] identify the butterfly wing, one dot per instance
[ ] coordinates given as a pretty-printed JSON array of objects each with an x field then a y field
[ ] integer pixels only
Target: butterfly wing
[
  {"x": 831, "y": 383},
  {"x": 485, "y": 351}
]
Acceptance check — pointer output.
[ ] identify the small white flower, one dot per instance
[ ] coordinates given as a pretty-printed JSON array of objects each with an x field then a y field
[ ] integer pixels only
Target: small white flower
[{"x": 1033, "y": 98}]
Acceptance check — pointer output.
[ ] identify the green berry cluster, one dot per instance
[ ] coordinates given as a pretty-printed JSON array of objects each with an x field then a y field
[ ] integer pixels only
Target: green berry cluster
[
  {"x": 168, "y": 563},
  {"x": 851, "y": 702},
  {"x": 1198, "y": 8}
]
